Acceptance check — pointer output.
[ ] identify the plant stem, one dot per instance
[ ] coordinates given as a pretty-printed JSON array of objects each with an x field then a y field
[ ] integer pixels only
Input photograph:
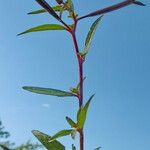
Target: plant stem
[
  {"x": 80, "y": 66},
  {"x": 81, "y": 140}
]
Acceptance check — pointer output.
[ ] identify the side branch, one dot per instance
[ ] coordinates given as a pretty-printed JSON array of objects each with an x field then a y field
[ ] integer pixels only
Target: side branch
[{"x": 108, "y": 9}]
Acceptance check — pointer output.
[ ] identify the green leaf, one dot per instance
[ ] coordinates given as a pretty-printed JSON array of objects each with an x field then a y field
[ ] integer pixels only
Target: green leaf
[
  {"x": 48, "y": 91},
  {"x": 90, "y": 35},
  {"x": 73, "y": 147},
  {"x": 55, "y": 8},
  {"x": 44, "y": 27},
  {"x": 61, "y": 134},
  {"x": 71, "y": 122},
  {"x": 46, "y": 141},
  {"x": 82, "y": 113},
  {"x": 98, "y": 148}
]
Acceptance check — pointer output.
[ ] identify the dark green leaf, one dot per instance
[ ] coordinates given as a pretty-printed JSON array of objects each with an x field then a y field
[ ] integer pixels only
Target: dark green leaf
[
  {"x": 55, "y": 8},
  {"x": 71, "y": 122},
  {"x": 47, "y": 91},
  {"x": 46, "y": 141},
  {"x": 45, "y": 27},
  {"x": 61, "y": 134},
  {"x": 4, "y": 147},
  {"x": 82, "y": 113},
  {"x": 91, "y": 34}
]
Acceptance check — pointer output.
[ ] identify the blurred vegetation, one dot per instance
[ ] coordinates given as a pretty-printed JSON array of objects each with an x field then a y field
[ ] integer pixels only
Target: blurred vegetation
[{"x": 6, "y": 144}]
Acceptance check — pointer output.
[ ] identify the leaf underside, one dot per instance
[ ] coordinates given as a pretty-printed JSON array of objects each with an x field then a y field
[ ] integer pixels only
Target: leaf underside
[
  {"x": 62, "y": 133},
  {"x": 48, "y": 91}
]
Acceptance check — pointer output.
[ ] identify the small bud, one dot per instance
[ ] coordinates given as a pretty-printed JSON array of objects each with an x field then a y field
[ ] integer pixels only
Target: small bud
[{"x": 59, "y": 1}]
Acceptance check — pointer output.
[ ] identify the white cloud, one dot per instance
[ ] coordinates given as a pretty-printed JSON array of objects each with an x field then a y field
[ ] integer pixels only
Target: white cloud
[{"x": 45, "y": 105}]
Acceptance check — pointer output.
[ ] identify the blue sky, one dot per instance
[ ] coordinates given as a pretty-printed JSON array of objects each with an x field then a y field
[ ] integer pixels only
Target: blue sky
[{"x": 117, "y": 70}]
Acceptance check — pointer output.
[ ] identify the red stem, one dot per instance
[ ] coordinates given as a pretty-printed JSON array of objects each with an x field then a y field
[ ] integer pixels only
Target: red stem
[{"x": 80, "y": 66}]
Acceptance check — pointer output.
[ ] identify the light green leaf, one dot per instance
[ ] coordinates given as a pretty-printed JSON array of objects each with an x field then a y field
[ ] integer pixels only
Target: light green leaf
[
  {"x": 61, "y": 134},
  {"x": 48, "y": 91},
  {"x": 46, "y": 141},
  {"x": 55, "y": 8},
  {"x": 82, "y": 113},
  {"x": 90, "y": 35},
  {"x": 71, "y": 122},
  {"x": 44, "y": 27},
  {"x": 98, "y": 148},
  {"x": 73, "y": 147}
]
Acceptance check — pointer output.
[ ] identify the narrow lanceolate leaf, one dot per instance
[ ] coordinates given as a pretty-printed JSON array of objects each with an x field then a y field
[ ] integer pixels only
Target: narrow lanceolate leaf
[
  {"x": 82, "y": 113},
  {"x": 45, "y": 27},
  {"x": 48, "y": 91},
  {"x": 90, "y": 35},
  {"x": 98, "y": 148},
  {"x": 61, "y": 134},
  {"x": 71, "y": 122},
  {"x": 46, "y": 141},
  {"x": 55, "y": 8}
]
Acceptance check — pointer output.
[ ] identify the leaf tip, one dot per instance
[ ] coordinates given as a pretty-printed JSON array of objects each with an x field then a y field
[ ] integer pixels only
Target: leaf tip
[{"x": 139, "y": 3}]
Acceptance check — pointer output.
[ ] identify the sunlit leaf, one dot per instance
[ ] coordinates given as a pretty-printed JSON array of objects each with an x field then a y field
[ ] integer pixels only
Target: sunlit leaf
[
  {"x": 45, "y": 27},
  {"x": 55, "y": 8},
  {"x": 70, "y": 5},
  {"x": 47, "y": 91},
  {"x": 82, "y": 113},
  {"x": 61, "y": 134},
  {"x": 47, "y": 142},
  {"x": 71, "y": 122},
  {"x": 91, "y": 34}
]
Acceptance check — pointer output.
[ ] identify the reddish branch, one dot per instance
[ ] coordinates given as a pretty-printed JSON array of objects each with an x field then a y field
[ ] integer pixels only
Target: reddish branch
[{"x": 108, "y": 9}]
